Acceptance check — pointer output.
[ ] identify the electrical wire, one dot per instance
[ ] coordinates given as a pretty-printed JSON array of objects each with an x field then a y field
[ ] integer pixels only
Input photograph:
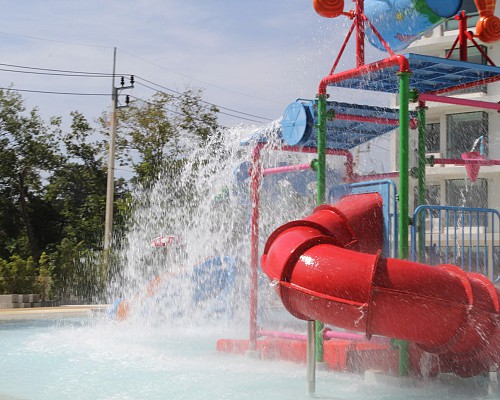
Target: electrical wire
[
  {"x": 202, "y": 101},
  {"x": 56, "y": 41},
  {"x": 194, "y": 79},
  {"x": 179, "y": 113},
  {"x": 72, "y": 73},
  {"x": 63, "y": 70},
  {"x": 57, "y": 73},
  {"x": 54, "y": 92}
]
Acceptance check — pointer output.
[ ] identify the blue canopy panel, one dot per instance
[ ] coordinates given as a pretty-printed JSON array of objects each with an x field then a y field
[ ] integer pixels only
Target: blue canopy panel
[
  {"x": 348, "y": 125},
  {"x": 298, "y": 125},
  {"x": 429, "y": 74}
]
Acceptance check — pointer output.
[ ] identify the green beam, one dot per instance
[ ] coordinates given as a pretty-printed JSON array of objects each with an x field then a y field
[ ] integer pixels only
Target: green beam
[
  {"x": 321, "y": 197},
  {"x": 421, "y": 114},
  {"x": 404, "y": 220},
  {"x": 404, "y": 127}
]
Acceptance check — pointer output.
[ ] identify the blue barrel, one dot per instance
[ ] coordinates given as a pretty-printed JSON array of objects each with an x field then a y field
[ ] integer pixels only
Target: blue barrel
[{"x": 400, "y": 22}]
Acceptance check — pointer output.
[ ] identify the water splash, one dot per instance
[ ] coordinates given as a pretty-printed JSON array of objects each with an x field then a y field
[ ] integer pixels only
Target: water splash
[{"x": 207, "y": 208}]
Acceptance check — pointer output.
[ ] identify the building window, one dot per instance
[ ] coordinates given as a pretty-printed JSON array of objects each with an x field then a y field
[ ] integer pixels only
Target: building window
[
  {"x": 432, "y": 138},
  {"x": 463, "y": 132},
  {"x": 432, "y": 195},
  {"x": 473, "y": 54},
  {"x": 470, "y": 8},
  {"x": 463, "y": 193}
]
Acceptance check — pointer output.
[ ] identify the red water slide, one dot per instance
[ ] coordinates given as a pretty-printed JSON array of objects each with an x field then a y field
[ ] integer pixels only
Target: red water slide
[{"x": 328, "y": 267}]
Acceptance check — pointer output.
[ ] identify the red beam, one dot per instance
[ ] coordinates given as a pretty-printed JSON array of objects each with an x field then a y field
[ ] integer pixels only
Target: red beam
[
  {"x": 396, "y": 60},
  {"x": 459, "y": 101}
]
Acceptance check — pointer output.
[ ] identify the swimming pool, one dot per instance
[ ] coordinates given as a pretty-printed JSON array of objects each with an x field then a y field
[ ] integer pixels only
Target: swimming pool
[{"x": 94, "y": 358}]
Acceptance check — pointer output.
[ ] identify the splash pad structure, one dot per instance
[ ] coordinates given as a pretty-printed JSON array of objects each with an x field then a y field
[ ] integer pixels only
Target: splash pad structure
[{"x": 330, "y": 266}]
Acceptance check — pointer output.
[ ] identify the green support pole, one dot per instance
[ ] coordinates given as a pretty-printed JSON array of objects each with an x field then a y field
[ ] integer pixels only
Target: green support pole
[
  {"x": 404, "y": 220},
  {"x": 404, "y": 122},
  {"x": 321, "y": 196},
  {"x": 321, "y": 164},
  {"x": 421, "y": 111}
]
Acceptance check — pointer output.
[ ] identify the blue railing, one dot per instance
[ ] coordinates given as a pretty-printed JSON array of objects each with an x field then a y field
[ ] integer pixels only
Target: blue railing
[{"x": 463, "y": 236}]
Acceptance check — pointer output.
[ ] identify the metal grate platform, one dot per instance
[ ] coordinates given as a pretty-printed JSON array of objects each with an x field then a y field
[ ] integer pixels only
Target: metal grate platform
[{"x": 429, "y": 74}]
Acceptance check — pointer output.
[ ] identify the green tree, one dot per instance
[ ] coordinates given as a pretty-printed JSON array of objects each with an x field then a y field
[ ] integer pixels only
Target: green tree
[
  {"x": 153, "y": 136},
  {"x": 29, "y": 154},
  {"x": 77, "y": 187},
  {"x": 19, "y": 275}
]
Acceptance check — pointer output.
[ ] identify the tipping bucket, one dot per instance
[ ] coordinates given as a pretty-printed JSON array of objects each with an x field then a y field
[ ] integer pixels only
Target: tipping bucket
[
  {"x": 400, "y": 22},
  {"x": 472, "y": 170}
]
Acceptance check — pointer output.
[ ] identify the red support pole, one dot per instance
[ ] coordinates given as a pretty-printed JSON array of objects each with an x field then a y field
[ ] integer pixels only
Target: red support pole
[
  {"x": 349, "y": 165},
  {"x": 394, "y": 60},
  {"x": 459, "y": 161},
  {"x": 286, "y": 168},
  {"x": 362, "y": 118},
  {"x": 462, "y": 35},
  {"x": 256, "y": 175},
  {"x": 459, "y": 101},
  {"x": 360, "y": 37}
]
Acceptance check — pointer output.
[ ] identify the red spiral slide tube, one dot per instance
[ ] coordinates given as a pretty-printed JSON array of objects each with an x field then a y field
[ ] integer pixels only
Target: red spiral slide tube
[{"x": 328, "y": 267}]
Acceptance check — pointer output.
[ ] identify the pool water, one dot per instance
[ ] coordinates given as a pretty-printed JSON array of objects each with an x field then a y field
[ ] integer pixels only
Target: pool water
[{"x": 95, "y": 358}]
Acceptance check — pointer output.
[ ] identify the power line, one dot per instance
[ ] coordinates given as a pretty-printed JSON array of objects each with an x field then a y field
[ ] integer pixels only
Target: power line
[
  {"x": 56, "y": 73},
  {"x": 202, "y": 101},
  {"x": 194, "y": 79},
  {"x": 54, "y": 92},
  {"x": 179, "y": 113},
  {"x": 73, "y": 73},
  {"x": 61, "y": 70},
  {"x": 56, "y": 41}
]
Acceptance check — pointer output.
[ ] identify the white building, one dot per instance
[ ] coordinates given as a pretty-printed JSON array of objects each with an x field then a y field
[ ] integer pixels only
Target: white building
[{"x": 453, "y": 130}]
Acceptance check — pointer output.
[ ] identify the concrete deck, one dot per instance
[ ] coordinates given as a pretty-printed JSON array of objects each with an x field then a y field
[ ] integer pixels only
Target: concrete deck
[{"x": 50, "y": 312}]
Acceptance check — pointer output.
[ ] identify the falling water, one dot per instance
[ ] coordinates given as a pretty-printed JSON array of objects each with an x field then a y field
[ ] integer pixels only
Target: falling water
[{"x": 207, "y": 209}]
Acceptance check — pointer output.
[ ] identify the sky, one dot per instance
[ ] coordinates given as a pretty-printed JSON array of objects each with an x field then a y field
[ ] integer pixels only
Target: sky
[{"x": 252, "y": 57}]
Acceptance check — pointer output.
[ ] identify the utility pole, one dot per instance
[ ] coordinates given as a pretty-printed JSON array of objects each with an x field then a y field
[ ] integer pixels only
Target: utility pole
[{"x": 110, "y": 186}]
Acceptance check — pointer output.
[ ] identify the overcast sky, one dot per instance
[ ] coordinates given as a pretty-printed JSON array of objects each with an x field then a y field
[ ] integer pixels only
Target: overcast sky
[{"x": 253, "y": 56}]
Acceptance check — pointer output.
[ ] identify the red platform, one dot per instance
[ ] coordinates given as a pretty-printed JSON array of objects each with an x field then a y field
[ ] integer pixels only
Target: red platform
[{"x": 339, "y": 355}]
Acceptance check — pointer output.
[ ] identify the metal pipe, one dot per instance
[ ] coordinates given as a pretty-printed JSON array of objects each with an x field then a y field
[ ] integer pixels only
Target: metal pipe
[
  {"x": 360, "y": 33},
  {"x": 321, "y": 198},
  {"x": 421, "y": 111},
  {"x": 331, "y": 152},
  {"x": 110, "y": 185},
  {"x": 256, "y": 175},
  {"x": 459, "y": 161},
  {"x": 462, "y": 35},
  {"x": 311, "y": 357},
  {"x": 404, "y": 80},
  {"x": 458, "y": 101},
  {"x": 374, "y": 120},
  {"x": 284, "y": 169},
  {"x": 372, "y": 177},
  {"x": 404, "y": 219},
  {"x": 395, "y": 60}
]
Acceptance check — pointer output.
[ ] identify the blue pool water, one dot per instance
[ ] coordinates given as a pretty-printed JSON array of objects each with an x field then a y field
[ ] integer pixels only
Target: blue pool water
[{"x": 98, "y": 359}]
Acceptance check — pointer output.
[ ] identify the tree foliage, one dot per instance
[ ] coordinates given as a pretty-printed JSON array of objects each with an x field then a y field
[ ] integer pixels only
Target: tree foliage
[
  {"x": 153, "y": 136},
  {"x": 53, "y": 186}
]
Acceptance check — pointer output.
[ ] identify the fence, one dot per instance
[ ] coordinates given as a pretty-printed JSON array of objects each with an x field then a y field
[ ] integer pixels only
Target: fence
[{"x": 466, "y": 237}]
